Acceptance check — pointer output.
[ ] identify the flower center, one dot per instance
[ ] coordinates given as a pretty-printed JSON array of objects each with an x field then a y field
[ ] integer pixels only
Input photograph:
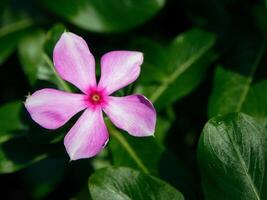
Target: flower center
[{"x": 95, "y": 97}]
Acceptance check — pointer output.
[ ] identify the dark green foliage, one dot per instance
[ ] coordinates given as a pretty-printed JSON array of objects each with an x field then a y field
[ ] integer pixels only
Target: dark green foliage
[{"x": 204, "y": 63}]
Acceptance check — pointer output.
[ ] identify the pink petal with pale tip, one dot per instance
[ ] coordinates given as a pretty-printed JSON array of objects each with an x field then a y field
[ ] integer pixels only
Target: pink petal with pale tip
[
  {"x": 74, "y": 62},
  {"x": 52, "y": 108},
  {"x": 119, "y": 69},
  {"x": 134, "y": 114},
  {"x": 88, "y": 135}
]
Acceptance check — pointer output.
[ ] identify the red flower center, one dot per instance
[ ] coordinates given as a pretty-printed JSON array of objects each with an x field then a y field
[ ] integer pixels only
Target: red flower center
[{"x": 96, "y": 97}]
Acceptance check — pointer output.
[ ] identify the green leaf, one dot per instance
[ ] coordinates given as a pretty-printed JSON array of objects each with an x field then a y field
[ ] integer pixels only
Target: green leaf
[
  {"x": 105, "y": 16},
  {"x": 124, "y": 183},
  {"x": 232, "y": 158},
  {"x": 233, "y": 84},
  {"x": 183, "y": 68}
]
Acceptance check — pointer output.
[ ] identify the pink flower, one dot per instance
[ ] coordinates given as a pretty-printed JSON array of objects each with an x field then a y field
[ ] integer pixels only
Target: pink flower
[{"x": 74, "y": 63}]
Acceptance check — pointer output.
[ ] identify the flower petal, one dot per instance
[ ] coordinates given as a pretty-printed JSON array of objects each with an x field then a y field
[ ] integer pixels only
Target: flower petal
[
  {"x": 53, "y": 108},
  {"x": 134, "y": 114},
  {"x": 88, "y": 136},
  {"x": 118, "y": 69},
  {"x": 74, "y": 61}
]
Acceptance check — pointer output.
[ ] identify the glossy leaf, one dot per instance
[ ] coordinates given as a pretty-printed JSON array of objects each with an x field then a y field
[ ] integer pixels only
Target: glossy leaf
[
  {"x": 124, "y": 183},
  {"x": 187, "y": 59},
  {"x": 232, "y": 158},
  {"x": 105, "y": 16}
]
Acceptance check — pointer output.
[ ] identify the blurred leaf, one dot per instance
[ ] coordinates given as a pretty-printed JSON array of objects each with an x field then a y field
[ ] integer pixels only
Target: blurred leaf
[
  {"x": 232, "y": 158},
  {"x": 31, "y": 57},
  {"x": 162, "y": 127},
  {"x": 226, "y": 97},
  {"x": 18, "y": 153},
  {"x": 21, "y": 143},
  {"x": 124, "y": 183},
  {"x": 147, "y": 155},
  {"x": 35, "y": 62},
  {"x": 42, "y": 177},
  {"x": 232, "y": 86},
  {"x": 52, "y": 38},
  {"x": 10, "y": 123},
  {"x": 155, "y": 59},
  {"x": 105, "y": 16},
  {"x": 13, "y": 26},
  {"x": 189, "y": 55},
  {"x": 101, "y": 160},
  {"x": 256, "y": 101}
]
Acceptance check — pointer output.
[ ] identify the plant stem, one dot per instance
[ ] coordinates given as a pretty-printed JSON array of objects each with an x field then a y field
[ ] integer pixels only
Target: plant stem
[{"x": 128, "y": 148}]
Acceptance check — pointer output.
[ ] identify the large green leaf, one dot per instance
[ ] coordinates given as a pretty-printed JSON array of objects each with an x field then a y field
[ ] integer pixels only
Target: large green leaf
[
  {"x": 124, "y": 183},
  {"x": 232, "y": 158},
  {"x": 181, "y": 69},
  {"x": 105, "y": 16},
  {"x": 233, "y": 82}
]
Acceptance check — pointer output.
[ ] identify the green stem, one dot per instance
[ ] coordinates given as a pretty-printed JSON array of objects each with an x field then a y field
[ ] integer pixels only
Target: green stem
[
  {"x": 20, "y": 25},
  {"x": 128, "y": 148},
  {"x": 60, "y": 81}
]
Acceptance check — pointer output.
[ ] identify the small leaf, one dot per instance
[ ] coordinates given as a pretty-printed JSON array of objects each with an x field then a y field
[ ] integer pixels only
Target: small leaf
[
  {"x": 124, "y": 183},
  {"x": 105, "y": 16},
  {"x": 232, "y": 158}
]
